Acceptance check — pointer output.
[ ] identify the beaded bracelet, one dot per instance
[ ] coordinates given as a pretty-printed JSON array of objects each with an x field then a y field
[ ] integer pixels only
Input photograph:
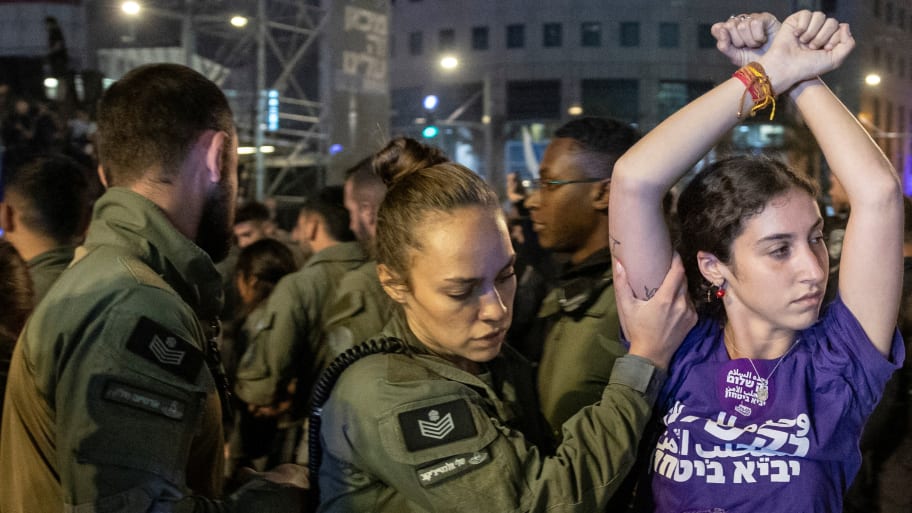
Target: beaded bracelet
[{"x": 757, "y": 83}]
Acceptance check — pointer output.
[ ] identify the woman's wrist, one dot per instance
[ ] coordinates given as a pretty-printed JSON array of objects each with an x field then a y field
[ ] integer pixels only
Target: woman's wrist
[
  {"x": 801, "y": 86},
  {"x": 777, "y": 73}
]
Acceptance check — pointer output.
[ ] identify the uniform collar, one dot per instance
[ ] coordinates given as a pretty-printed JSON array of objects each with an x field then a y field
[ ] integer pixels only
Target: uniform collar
[
  {"x": 341, "y": 252},
  {"x": 127, "y": 220},
  {"x": 58, "y": 255},
  {"x": 594, "y": 265}
]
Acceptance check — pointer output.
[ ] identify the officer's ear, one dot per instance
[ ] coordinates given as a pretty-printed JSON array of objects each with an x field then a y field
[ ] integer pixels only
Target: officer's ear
[
  {"x": 214, "y": 143},
  {"x": 393, "y": 284}
]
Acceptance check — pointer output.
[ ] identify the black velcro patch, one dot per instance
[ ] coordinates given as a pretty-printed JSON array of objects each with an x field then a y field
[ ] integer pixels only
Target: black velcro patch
[
  {"x": 145, "y": 400},
  {"x": 155, "y": 343},
  {"x": 436, "y": 425},
  {"x": 451, "y": 467}
]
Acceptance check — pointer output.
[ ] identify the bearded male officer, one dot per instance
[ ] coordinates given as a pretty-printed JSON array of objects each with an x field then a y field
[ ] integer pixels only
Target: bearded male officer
[{"x": 113, "y": 399}]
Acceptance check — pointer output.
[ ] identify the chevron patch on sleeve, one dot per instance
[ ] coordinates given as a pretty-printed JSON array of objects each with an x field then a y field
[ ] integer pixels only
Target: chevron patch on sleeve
[
  {"x": 437, "y": 425},
  {"x": 155, "y": 343}
]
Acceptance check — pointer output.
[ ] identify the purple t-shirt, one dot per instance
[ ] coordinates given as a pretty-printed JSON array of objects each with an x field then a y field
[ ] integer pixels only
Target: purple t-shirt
[{"x": 730, "y": 446}]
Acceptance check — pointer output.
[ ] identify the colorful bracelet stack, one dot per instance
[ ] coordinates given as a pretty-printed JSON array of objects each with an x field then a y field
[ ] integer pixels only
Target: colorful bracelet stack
[{"x": 757, "y": 83}]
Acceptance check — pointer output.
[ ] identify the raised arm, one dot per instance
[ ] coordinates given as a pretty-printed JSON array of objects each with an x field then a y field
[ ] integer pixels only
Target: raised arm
[
  {"x": 871, "y": 266},
  {"x": 806, "y": 46}
]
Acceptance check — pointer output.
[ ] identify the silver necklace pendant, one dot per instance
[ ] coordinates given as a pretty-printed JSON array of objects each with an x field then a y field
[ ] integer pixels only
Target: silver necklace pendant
[{"x": 762, "y": 390}]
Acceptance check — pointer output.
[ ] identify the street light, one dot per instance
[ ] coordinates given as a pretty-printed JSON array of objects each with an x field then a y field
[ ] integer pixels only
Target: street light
[
  {"x": 131, "y": 8},
  {"x": 239, "y": 21},
  {"x": 872, "y": 79},
  {"x": 449, "y": 62}
]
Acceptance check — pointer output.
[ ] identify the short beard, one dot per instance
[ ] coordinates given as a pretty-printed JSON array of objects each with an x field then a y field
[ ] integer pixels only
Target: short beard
[{"x": 215, "y": 227}]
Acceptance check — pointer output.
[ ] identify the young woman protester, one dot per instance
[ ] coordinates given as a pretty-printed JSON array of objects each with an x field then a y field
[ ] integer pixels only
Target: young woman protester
[
  {"x": 766, "y": 397},
  {"x": 442, "y": 425}
]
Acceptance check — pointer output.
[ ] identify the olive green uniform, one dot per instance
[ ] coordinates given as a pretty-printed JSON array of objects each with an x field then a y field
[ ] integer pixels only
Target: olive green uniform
[
  {"x": 110, "y": 404},
  {"x": 359, "y": 311},
  {"x": 412, "y": 432},
  {"x": 45, "y": 268},
  {"x": 289, "y": 343},
  {"x": 581, "y": 340}
]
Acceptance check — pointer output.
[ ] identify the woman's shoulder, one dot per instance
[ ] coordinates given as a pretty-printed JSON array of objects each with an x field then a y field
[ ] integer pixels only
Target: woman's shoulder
[{"x": 377, "y": 380}]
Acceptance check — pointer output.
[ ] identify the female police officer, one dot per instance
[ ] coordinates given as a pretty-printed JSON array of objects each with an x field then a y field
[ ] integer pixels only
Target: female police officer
[{"x": 442, "y": 425}]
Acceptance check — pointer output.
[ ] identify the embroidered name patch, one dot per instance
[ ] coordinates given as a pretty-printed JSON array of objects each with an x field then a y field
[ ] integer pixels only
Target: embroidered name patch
[
  {"x": 153, "y": 342},
  {"x": 437, "y": 425},
  {"x": 145, "y": 400},
  {"x": 452, "y": 467}
]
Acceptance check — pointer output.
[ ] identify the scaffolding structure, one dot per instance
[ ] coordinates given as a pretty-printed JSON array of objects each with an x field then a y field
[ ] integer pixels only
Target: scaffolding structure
[{"x": 265, "y": 45}]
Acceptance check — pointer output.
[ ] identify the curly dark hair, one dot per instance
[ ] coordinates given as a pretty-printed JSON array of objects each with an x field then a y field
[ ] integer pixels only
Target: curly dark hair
[{"x": 715, "y": 205}]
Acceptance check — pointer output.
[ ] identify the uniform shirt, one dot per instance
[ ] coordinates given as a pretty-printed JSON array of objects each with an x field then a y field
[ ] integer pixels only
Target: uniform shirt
[
  {"x": 581, "y": 342},
  {"x": 289, "y": 343},
  {"x": 110, "y": 405},
  {"x": 727, "y": 447},
  {"x": 412, "y": 432},
  {"x": 360, "y": 309},
  {"x": 45, "y": 268}
]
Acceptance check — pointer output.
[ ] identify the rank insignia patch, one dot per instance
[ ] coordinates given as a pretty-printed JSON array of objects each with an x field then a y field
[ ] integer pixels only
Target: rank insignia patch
[
  {"x": 153, "y": 342},
  {"x": 436, "y": 425}
]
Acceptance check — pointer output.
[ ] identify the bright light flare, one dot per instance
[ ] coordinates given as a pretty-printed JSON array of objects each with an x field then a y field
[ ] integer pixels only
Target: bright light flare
[
  {"x": 239, "y": 21},
  {"x": 131, "y": 8},
  {"x": 872, "y": 79},
  {"x": 449, "y": 62},
  {"x": 250, "y": 150}
]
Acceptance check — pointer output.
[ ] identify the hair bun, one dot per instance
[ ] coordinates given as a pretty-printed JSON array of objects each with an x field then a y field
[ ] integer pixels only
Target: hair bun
[{"x": 403, "y": 156}]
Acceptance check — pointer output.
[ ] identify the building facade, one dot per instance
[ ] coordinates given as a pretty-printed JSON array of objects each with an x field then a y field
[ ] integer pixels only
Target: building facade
[{"x": 539, "y": 64}]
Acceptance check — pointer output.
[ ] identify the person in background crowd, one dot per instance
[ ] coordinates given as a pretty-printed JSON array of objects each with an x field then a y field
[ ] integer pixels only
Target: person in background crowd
[
  {"x": 252, "y": 223},
  {"x": 288, "y": 353},
  {"x": 766, "y": 399},
  {"x": 44, "y": 213},
  {"x": 535, "y": 267},
  {"x": 18, "y": 128},
  {"x": 450, "y": 421},
  {"x": 57, "y": 56},
  {"x": 113, "y": 397},
  {"x": 260, "y": 266},
  {"x": 577, "y": 319},
  {"x": 360, "y": 307},
  {"x": 835, "y": 218},
  {"x": 15, "y": 305}
]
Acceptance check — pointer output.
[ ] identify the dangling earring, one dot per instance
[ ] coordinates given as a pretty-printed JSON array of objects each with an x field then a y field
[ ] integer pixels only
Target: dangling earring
[
  {"x": 715, "y": 292},
  {"x": 720, "y": 290}
]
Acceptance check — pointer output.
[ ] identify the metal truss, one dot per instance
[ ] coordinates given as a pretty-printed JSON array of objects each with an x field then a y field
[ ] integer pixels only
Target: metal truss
[{"x": 277, "y": 50}]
